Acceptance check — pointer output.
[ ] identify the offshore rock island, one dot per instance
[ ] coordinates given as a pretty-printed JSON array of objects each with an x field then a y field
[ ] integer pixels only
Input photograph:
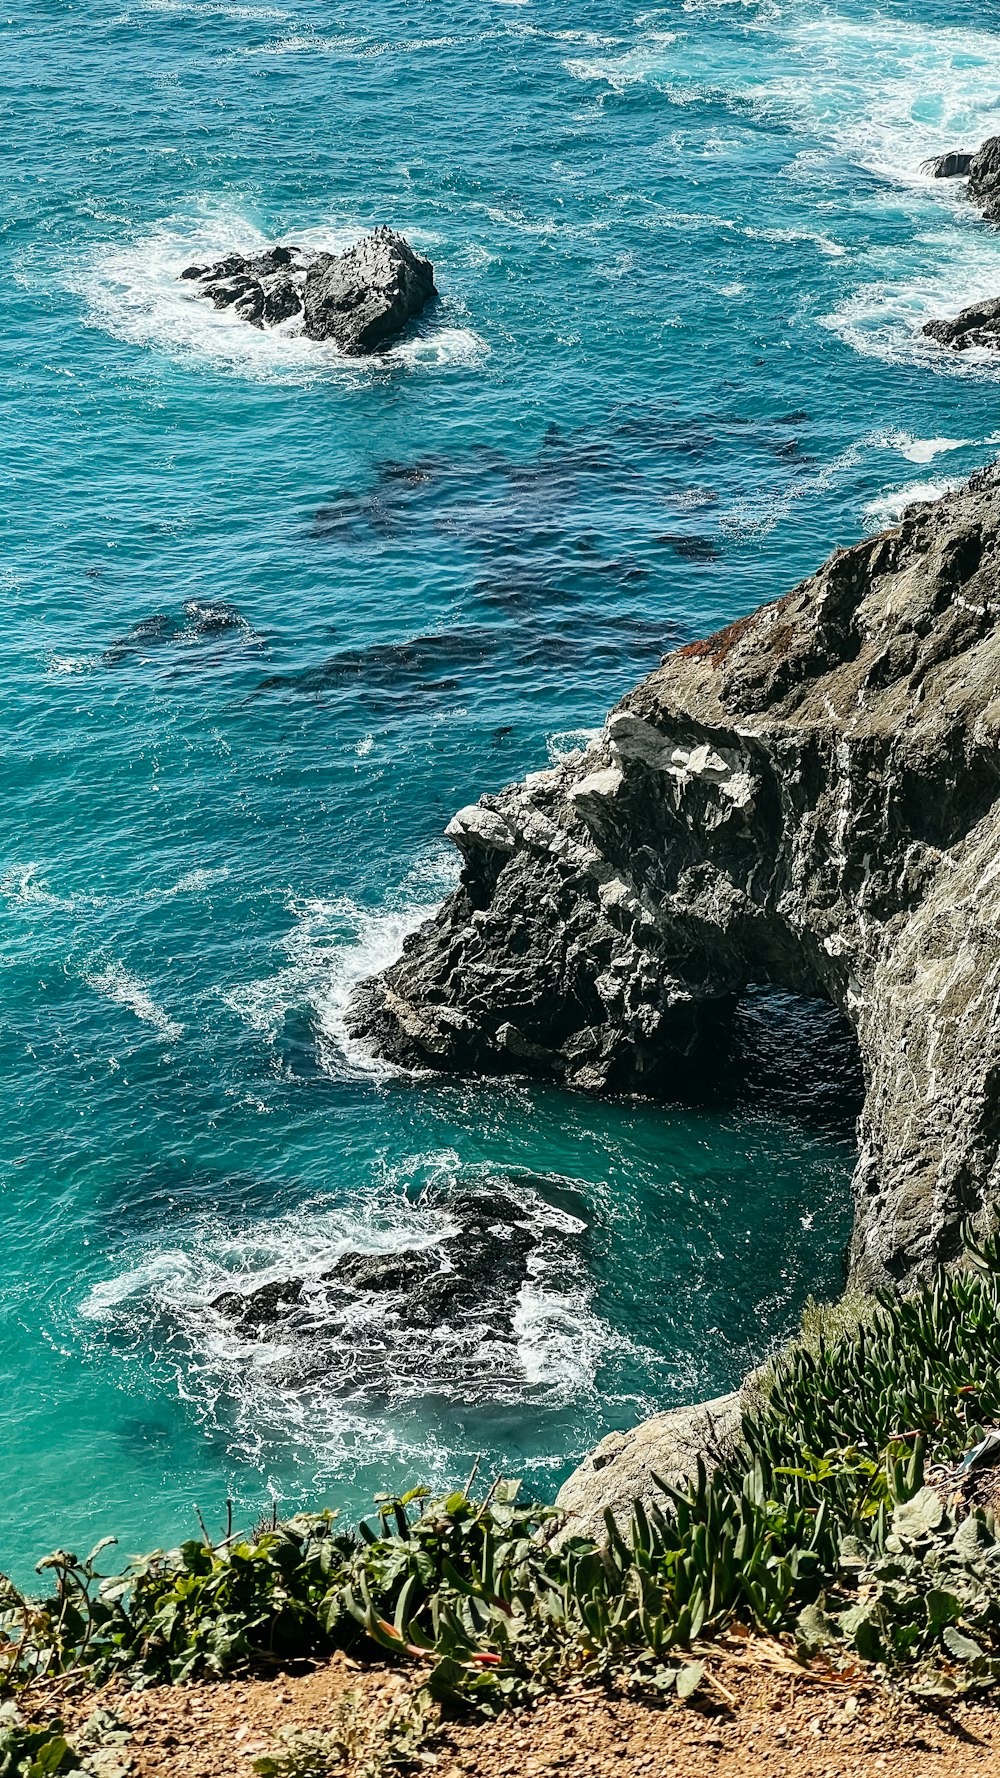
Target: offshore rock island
[
  {"x": 360, "y": 300},
  {"x": 808, "y": 799}
]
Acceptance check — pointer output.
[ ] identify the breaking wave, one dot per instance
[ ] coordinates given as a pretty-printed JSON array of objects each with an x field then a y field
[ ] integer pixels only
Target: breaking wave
[
  {"x": 346, "y": 1374},
  {"x": 333, "y": 944}
]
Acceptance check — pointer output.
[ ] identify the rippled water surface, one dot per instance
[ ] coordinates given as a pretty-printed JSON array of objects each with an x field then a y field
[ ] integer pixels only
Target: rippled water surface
[{"x": 684, "y": 256}]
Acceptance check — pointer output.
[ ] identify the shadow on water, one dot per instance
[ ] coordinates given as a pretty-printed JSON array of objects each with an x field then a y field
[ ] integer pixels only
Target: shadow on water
[{"x": 789, "y": 1058}]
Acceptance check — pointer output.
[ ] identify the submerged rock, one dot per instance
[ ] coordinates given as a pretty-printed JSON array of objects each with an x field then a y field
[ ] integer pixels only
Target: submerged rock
[
  {"x": 808, "y": 799},
  {"x": 364, "y": 297},
  {"x": 356, "y": 1322},
  {"x": 978, "y": 325},
  {"x": 200, "y": 618},
  {"x": 359, "y": 299}
]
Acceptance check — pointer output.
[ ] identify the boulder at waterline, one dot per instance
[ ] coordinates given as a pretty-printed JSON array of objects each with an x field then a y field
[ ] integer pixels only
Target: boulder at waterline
[
  {"x": 264, "y": 288},
  {"x": 628, "y": 1466},
  {"x": 984, "y": 179},
  {"x": 954, "y": 165},
  {"x": 982, "y": 169},
  {"x": 364, "y": 297},
  {"x": 978, "y": 325},
  {"x": 439, "y": 1316}
]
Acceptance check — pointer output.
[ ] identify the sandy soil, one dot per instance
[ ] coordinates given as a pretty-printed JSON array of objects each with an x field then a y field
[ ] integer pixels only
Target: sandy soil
[{"x": 755, "y": 1716}]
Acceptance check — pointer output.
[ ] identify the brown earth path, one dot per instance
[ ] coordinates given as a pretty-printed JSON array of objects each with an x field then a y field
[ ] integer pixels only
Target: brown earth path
[{"x": 755, "y": 1717}]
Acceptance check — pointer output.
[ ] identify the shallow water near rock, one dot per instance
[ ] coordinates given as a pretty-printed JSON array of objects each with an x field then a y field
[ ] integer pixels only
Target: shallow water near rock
[{"x": 685, "y": 257}]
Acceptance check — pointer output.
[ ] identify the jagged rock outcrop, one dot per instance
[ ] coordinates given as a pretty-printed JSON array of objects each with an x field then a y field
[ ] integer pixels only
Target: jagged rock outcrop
[
  {"x": 978, "y": 325},
  {"x": 419, "y": 1287},
  {"x": 981, "y": 168},
  {"x": 365, "y": 296},
  {"x": 808, "y": 799},
  {"x": 264, "y": 288},
  {"x": 984, "y": 179},
  {"x": 440, "y": 1316},
  {"x": 360, "y": 299}
]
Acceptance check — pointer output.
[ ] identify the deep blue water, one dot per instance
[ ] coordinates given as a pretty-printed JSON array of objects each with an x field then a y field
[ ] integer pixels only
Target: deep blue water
[{"x": 684, "y": 255}]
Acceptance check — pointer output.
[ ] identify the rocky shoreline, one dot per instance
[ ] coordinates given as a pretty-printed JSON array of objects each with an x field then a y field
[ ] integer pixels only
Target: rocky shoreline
[
  {"x": 807, "y": 799},
  {"x": 979, "y": 324}
]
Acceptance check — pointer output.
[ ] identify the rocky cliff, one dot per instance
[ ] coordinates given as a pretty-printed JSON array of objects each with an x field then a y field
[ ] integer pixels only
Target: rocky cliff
[{"x": 809, "y": 799}]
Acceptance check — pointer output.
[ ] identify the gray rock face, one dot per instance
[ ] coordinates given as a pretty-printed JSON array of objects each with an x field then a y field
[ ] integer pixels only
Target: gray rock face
[
  {"x": 982, "y": 169},
  {"x": 359, "y": 299},
  {"x": 811, "y": 799},
  {"x": 978, "y": 325},
  {"x": 486, "y": 1261},
  {"x": 625, "y": 1465},
  {"x": 364, "y": 297},
  {"x": 437, "y": 1318},
  {"x": 264, "y": 289},
  {"x": 984, "y": 179},
  {"x": 949, "y": 166}
]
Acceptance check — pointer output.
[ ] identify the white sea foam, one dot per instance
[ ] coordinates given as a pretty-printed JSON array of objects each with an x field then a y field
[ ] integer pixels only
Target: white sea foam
[
  {"x": 887, "y": 94},
  {"x": 890, "y": 506},
  {"x": 22, "y": 886},
  {"x": 924, "y": 450},
  {"x": 134, "y": 292},
  {"x": 567, "y": 742},
  {"x": 332, "y": 945},
  {"x": 216, "y": 1255},
  {"x": 758, "y": 514},
  {"x": 120, "y": 985},
  {"x": 347, "y": 1378},
  {"x": 199, "y": 9},
  {"x": 311, "y": 43},
  {"x": 193, "y": 882},
  {"x": 62, "y": 665},
  {"x": 884, "y": 95},
  {"x": 947, "y": 271}
]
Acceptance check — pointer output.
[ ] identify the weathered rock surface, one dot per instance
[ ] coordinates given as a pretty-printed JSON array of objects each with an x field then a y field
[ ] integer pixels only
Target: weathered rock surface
[
  {"x": 364, "y": 297},
  {"x": 440, "y": 1316},
  {"x": 984, "y": 179},
  {"x": 981, "y": 168},
  {"x": 954, "y": 165},
  {"x": 625, "y": 1466},
  {"x": 807, "y": 799},
  {"x": 265, "y": 288},
  {"x": 360, "y": 299},
  {"x": 978, "y": 325},
  {"x": 487, "y": 1256}
]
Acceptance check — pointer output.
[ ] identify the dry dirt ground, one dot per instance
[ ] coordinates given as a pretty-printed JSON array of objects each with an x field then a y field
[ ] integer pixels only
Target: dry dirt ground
[{"x": 755, "y": 1715}]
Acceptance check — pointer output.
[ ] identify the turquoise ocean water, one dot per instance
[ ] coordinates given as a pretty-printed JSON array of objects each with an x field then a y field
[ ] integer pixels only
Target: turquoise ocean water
[{"x": 684, "y": 254}]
